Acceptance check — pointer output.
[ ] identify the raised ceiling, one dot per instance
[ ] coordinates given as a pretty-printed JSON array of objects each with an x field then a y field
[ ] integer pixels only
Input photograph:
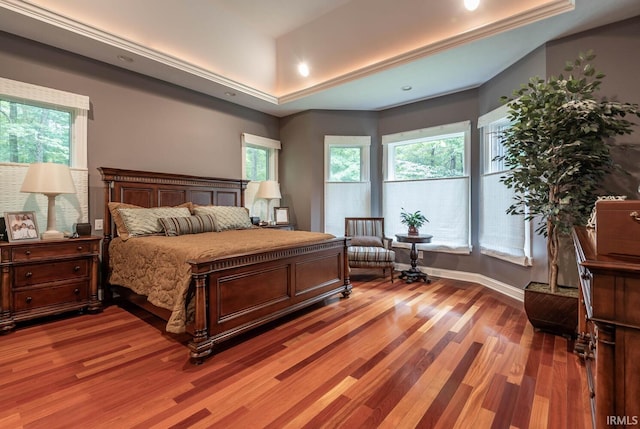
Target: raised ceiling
[{"x": 361, "y": 53}]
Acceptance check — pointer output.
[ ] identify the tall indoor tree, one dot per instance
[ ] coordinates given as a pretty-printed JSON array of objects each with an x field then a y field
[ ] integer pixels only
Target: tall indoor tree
[{"x": 558, "y": 149}]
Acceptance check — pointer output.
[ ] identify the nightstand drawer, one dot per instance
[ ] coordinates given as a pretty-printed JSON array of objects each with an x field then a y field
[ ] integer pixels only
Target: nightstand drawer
[
  {"x": 48, "y": 250},
  {"x": 42, "y": 297},
  {"x": 27, "y": 275}
]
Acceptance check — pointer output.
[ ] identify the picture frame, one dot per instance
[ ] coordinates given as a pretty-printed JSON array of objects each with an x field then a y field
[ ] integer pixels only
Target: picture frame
[
  {"x": 281, "y": 215},
  {"x": 21, "y": 226}
]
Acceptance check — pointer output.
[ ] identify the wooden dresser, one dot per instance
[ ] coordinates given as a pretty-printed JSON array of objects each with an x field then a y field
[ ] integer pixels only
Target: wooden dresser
[
  {"x": 41, "y": 278},
  {"x": 609, "y": 331}
]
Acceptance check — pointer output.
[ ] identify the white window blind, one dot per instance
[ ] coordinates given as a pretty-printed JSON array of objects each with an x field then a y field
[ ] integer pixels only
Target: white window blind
[
  {"x": 445, "y": 202},
  {"x": 347, "y": 190},
  {"x": 437, "y": 160},
  {"x": 501, "y": 235}
]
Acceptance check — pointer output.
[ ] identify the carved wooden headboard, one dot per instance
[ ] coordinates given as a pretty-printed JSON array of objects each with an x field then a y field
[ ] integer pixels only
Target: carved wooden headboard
[{"x": 150, "y": 189}]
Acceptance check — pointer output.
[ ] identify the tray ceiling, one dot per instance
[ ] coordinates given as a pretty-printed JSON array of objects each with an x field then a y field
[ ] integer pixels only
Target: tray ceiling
[{"x": 361, "y": 53}]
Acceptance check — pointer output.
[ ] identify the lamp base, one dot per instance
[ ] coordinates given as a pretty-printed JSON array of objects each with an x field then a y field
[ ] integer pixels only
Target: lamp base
[{"x": 52, "y": 235}]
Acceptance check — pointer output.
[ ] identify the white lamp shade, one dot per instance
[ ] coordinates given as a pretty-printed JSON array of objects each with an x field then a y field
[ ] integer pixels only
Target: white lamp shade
[
  {"x": 268, "y": 189},
  {"x": 48, "y": 178}
]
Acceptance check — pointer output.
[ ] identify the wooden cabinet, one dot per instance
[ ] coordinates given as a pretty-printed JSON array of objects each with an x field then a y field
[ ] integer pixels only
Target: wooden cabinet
[
  {"x": 41, "y": 278},
  {"x": 609, "y": 331}
]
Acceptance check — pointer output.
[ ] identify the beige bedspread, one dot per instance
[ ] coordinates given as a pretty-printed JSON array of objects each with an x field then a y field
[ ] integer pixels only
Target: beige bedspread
[{"x": 155, "y": 266}]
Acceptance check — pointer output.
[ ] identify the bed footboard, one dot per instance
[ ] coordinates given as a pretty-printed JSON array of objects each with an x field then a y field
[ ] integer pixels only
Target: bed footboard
[{"x": 237, "y": 293}]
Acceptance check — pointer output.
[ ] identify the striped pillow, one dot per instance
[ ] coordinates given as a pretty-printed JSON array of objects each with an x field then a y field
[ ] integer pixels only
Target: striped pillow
[
  {"x": 144, "y": 221},
  {"x": 227, "y": 217},
  {"x": 174, "y": 226}
]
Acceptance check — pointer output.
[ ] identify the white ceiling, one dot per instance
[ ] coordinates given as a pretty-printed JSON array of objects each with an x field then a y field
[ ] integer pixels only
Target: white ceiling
[{"x": 361, "y": 52}]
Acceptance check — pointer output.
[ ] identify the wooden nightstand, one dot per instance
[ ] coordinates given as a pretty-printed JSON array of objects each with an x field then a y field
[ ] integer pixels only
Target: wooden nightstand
[
  {"x": 41, "y": 278},
  {"x": 287, "y": 227}
]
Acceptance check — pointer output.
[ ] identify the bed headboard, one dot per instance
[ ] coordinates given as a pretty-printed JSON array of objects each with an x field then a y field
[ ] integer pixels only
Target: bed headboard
[{"x": 150, "y": 189}]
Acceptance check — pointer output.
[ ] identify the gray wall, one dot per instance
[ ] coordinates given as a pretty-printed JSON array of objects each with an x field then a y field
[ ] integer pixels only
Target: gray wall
[
  {"x": 615, "y": 45},
  {"x": 141, "y": 123},
  {"x": 302, "y": 160},
  {"x": 138, "y": 122}
]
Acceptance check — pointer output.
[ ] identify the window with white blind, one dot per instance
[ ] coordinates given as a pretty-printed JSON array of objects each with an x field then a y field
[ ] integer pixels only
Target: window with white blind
[
  {"x": 259, "y": 162},
  {"x": 501, "y": 235},
  {"x": 347, "y": 189},
  {"x": 40, "y": 124},
  {"x": 428, "y": 170}
]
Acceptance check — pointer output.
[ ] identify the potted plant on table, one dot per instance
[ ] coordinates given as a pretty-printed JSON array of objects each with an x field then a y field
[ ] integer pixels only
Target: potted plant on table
[
  {"x": 413, "y": 221},
  {"x": 557, "y": 152}
]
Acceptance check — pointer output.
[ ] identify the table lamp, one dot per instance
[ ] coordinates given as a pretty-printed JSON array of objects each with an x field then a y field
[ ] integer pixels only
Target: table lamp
[
  {"x": 269, "y": 190},
  {"x": 49, "y": 179}
]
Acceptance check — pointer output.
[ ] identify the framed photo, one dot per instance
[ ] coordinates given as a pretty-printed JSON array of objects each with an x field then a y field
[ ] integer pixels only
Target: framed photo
[
  {"x": 281, "y": 214},
  {"x": 21, "y": 226}
]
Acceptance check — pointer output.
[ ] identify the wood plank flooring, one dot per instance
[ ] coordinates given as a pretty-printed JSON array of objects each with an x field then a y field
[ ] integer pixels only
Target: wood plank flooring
[{"x": 448, "y": 354}]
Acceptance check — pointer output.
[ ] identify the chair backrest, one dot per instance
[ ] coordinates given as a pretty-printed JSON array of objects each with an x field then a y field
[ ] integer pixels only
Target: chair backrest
[{"x": 364, "y": 226}]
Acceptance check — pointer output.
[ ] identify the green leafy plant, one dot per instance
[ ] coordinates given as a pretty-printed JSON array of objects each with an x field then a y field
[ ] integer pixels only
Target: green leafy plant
[
  {"x": 557, "y": 149},
  {"x": 415, "y": 219}
]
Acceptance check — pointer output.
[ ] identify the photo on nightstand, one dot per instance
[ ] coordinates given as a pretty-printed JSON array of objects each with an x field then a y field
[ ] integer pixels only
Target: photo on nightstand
[
  {"x": 281, "y": 214},
  {"x": 21, "y": 226}
]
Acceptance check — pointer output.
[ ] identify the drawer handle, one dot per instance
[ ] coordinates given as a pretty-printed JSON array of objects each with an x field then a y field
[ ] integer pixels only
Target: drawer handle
[
  {"x": 27, "y": 252},
  {"x": 28, "y": 300},
  {"x": 79, "y": 248},
  {"x": 28, "y": 274},
  {"x": 76, "y": 291},
  {"x": 76, "y": 268},
  {"x": 635, "y": 216}
]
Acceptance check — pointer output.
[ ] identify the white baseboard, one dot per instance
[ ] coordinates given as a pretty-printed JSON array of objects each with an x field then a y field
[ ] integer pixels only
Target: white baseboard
[{"x": 503, "y": 288}]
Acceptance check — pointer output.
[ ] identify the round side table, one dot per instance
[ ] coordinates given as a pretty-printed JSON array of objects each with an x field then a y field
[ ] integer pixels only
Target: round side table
[{"x": 414, "y": 273}]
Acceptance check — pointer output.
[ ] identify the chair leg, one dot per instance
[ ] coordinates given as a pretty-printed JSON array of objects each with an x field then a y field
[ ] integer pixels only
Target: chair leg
[{"x": 384, "y": 273}]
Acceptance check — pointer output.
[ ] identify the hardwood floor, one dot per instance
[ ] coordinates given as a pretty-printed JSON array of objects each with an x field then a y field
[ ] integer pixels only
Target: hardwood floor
[{"x": 448, "y": 354}]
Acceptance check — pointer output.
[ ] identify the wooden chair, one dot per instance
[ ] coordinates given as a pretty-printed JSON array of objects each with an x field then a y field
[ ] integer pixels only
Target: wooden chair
[{"x": 369, "y": 247}]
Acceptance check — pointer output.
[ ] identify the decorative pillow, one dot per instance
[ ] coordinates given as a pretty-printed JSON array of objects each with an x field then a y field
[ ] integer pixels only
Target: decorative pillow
[
  {"x": 174, "y": 226},
  {"x": 117, "y": 219},
  {"x": 367, "y": 240},
  {"x": 141, "y": 221},
  {"x": 227, "y": 217},
  {"x": 121, "y": 228}
]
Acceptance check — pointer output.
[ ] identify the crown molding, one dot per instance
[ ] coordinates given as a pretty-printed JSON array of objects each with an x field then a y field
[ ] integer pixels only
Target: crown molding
[
  {"x": 64, "y": 23},
  {"x": 515, "y": 21},
  {"x": 48, "y": 17}
]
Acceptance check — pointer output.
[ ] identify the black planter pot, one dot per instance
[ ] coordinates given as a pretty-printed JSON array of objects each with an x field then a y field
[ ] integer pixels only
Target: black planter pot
[{"x": 553, "y": 313}]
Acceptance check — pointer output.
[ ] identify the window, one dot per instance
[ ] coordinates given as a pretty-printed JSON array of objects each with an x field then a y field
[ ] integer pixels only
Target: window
[
  {"x": 427, "y": 170},
  {"x": 259, "y": 162},
  {"x": 347, "y": 190},
  {"x": 502, "y": 235},
  {"x": 31, "y": 133},
  {"x": 39, "y": 124}
]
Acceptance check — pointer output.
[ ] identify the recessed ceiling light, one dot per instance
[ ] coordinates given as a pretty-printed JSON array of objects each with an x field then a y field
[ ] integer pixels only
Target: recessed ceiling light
[
  {"x": 407, "y": 88},
  {"x": 303, "y": 69},
  {"x": 230, "y": 94},
  {"x": 471, "y": 4},
  {"x": 125, "y": 59}
]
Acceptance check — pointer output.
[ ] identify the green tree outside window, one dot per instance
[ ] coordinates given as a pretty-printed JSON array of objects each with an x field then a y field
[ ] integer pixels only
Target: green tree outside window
[{"x": 31, "y": 133}]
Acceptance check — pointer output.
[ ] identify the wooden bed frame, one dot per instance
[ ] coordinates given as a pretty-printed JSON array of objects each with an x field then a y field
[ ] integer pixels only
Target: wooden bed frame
[{"x": 238, "y": 292}]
